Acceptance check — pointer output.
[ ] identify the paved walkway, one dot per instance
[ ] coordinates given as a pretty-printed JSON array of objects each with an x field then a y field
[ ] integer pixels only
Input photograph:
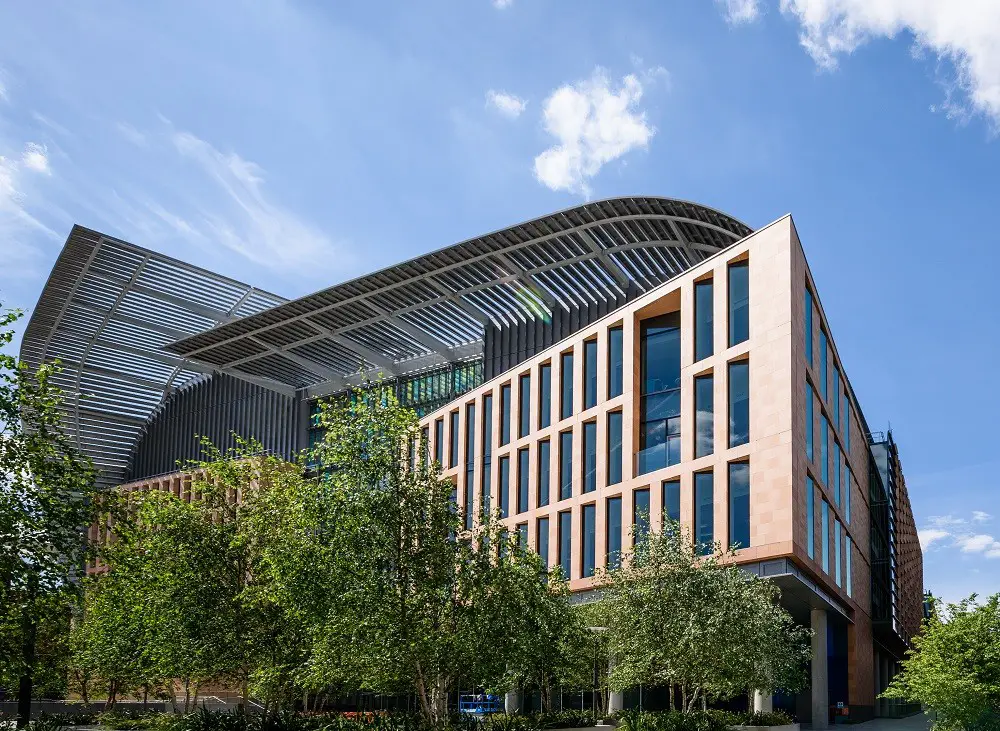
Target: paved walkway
[{"x": 918, "y": 722}]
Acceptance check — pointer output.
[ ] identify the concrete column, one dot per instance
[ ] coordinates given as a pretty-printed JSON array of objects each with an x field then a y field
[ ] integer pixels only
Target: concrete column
[
  {"x": 512, "y": 702},
  {"x": 763, "y": 702},
  {"x": 616, "y": 700},
  {"x": 820, "y": 670}
]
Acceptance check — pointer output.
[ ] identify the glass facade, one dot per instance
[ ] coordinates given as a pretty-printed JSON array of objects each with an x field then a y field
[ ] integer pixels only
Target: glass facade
[
  {"x": 739, "y": 505},
  {"x": 542, "y": 540},
  {"x": 524, "y": 405},
  {"x": 739, "y": 403},
  {"x": 544, "y": 395},
  {"x": 810, "y": 422},
  {"x": 810, "y": 518},
  {"x": 453, "y": 441},
  {"x": 613, "y": 539},
  {"x": 616, "y": 361},
  {"x": 846, "y": 428},
  {"x": 824, "y": 450},
  {"x": 848, "y": 579},
  {"x": 565, "y": 465},
  {"x": 566, "y": 543},
  {"x": 503, "y": 487},
  {"x": 704, "y": 516},
  {"x": 836, "y": 474},
  {"x": 703, "y": 325},
  {"x": 704, "y": 415},
  {"x": 824, "y": 526},
  {"x": 589, "y": 374},
  {"x": 640, "y": 515},
  {"x": 835, "y": 401},
  {"x": 824, "y": 381},
  {"x": 660, "y": 407},
  {"x": 544, "y": 468},
  {"x": 486, "y": 479},
  {"x": 439, "y": 441},
  {"x": 847, "y": 493},
  {"x": 614, "y": 447},
  {"x": 523, "y": 479},
  {"x": 809, "y": 327},
  {"x": 566, "y": 381},
  {"x": 522, "y": 536},
  {"x": 470, "y": 462},
  {"x": 836, "y": 552},
  {"x": 739, "y": 303},
  {"x": 590, "y": 456},
  {"x": 589, "y": 539},
  {"x": 505, "y": 414},
  {"x": 672, "y": 500}
]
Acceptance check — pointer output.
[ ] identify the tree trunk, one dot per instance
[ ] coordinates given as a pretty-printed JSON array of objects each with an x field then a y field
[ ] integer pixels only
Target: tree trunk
[
  {"x": 26, "y": 682},
  {"x": 671, "y": 696},
  {"x": 245, "y": 692},
  {"x": 187, "y": 694}
]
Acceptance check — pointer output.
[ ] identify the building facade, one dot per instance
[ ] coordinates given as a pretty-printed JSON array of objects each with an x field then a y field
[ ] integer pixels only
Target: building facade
[{"x": 589, "y": 374}]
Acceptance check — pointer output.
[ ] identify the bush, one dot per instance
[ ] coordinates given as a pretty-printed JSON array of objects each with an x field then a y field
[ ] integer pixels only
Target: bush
[
  {"x": 135, "y": 720},
  {"x": 47, "y": 723}
]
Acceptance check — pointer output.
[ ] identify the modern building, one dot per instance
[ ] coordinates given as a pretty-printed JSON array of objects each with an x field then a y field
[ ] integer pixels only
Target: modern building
[{"x": 596, "y": 369}]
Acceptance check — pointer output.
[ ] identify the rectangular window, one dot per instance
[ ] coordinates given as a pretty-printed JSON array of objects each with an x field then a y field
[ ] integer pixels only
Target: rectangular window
[
  {"x": 672, "y": 500},
  {"x": 566, "y": 382},
  {"x": 453, "y": 440},
  {"x": 824, "y": 451},
  {"x": 522, "y": 479},
  {"x": 809, "y": 327},
  {"x": 824, "y": 381},
  {"x": 847, "y": 423},
  {"x": 835, "y": 402},
  {"x": 589, "y": 374},
  {"x": 739, "y": 403},
  {"x": 616, "y": 362},
  {"x": 524, "y": 405},
  {"x": 590, "y": 456},
  {"x": 470, "y": 461},
  {"x": 504, "y": 485},
  {"x": 565, "y": 465},
  {"x": 810, "y": 425},
  {"x": 810, "y": 518},
  {"x": 739, "y": 303},
  {"x": 704, "y": 415},
  {"x": 505, "y": 414},
  {"x": 544, "y": 468},
  {"x": 411, "y": 449},
  {"x": 614, "y": 447},
  {"x": 847, "y": 493},
  {"x": 566, "y": 543},
  {"x": 542, "y": 540},
  {"x": 522, "y": 536},
  {"x": 640, "y": 515},
  {"x": 836, "y": 552},
  {"x": 739, "y": 505},
  {"x": 589, "y": 539},
  {"x": 613, "y": 539},
  {"x": 660, "y": 406},
  {"x": 439, "y": 441},
  {"x": 704, "y": 512},
  {"x": 425, "y": 444},
  {"x": 847, "y": 566},
  {"x": 836, "y": 474},
  {"x": 469, "y": 499},
  {"x": 486, "y": 480},
  {"x": 824, "y": 526},
  {"x": 544, "y": 395},
  {"x": 703, "y": 319}
]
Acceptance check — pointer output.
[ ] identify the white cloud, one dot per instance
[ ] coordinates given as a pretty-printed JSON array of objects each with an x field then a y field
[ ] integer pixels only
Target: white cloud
[
  {"x": 980, "y": 543},
  {"x": 501, "y": 4},
  {"x": 979, "y": 516},
  {"x": 131, "y": 134},
  {"x": 740, "y": 11},
  {"x": 929, "y": 536},
  {"x": 507, "y": 104},
  {"x": 964, "y": 33},
  {"x": 593, "y": 124},
  {"x": 35, "y": 157},
  {"x": 945, "y": 520}
]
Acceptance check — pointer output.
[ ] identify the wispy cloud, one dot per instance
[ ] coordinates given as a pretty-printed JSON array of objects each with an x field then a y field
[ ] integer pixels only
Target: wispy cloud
[
  {"x": 979, "y": 516},
  {"x": 593, "y": 123},
  {"x": 507, "y": 104},
  {"x": 131, "y": 134},
  {"x": 929, "y": 536},
  {"x": 740, "y": 11},
  {"x": 36, "y": 157},
  {"x": 957, "y": 532},
  {"x": 979, "y": 543},
  {"x": 501, "y": 4}
]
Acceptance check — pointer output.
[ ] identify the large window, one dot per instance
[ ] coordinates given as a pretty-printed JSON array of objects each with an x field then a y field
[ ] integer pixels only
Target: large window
[
  {"x": 824, "y": 381},
  {"x": 739, "y": 302},
  {"x": 704, "y": 415},
  {"x": 453, "y": 441},
  {"x": 672, "y": 500},
  {"x": 470, "y": 461},
  {"x": 613, "y": 539},
  {"x": 505, "y": 414},
  {"x": 704, "y": 515},
  {"x": 616, "y": 361},
  {"x": 847, "y": 493},
  {"x": 522, "y": 536},
  {"x": 810, "y": 518},
  {"x": 836, "y": 552},
  {"x": 739, "y": 403},
  {"x": 566, "y": 543},
  {"x": 809, "y": 327},
  {"x": 660, "y": 408},
  {"x": 824, "y": 450},
  {"x": 504, "y": 486},
  {"x": 523, "y": 476},
  {"x": 836, "y": 474},
  {"x": 542, "y": 540},
  {"x": 835, "y": 400},
  {"x": 565, "y": 465},
  {"x": 847, "y": 423},
  {"x": 566, "y": 385},
  {"x": 589, "y": 374},
  {"x": 739, "y": 505},
  {"x": 544, "y": 469},
  {"x": 614, "y": 447},
  {"x": 640, "y": 515},
  {"x": 589, "y": 539},
  {"x": 810, "y": 422},
  {"x": 590, "y": 456},
  {"x": 702, "y": 319},
  {"x": 824, "y": 526},
  {"x": 544, "y": 395},
  {"x": 849, "y": 583},
  {"x": 439, "y": 441},
  {"x": 486, "y": 480},
  {"x": 524, "y": 405}
]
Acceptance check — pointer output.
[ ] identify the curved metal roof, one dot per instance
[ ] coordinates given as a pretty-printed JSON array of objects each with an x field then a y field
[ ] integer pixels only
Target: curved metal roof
[
  {"x": 107, "y": 312},
  {"x": 434, "y": 308}
]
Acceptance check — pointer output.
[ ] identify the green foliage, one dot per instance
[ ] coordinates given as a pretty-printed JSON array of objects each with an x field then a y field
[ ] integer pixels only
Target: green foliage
[
  {"x": 678, "y": 618},
  {"x": 954, "y": 666},
  {"x": 710, "y": 720}
]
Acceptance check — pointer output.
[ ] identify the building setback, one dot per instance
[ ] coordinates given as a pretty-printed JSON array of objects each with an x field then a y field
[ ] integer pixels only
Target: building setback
[{"x": 588, "y": 373}]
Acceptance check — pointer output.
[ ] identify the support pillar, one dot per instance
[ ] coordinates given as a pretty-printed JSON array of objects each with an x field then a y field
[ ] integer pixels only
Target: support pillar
[
  {"x": 512, "y": 702},
  {"x": 763, "y": 702},
  {"x": 820, "y": 670},
  {"x": 616, "y": 700}
]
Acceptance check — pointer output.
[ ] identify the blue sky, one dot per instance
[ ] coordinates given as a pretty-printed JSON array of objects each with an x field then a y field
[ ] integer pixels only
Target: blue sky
[{"x": 294, "y": 144}]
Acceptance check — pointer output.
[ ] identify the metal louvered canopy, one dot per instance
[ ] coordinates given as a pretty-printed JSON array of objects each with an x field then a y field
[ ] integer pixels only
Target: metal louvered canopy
[
  {"x": 107, "y": 312},
  {"x": 433, "y": 309}
]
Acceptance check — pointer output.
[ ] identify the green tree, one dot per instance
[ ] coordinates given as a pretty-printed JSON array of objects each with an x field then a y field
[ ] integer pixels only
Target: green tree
[
  {"x": 678, "y": 618},
  {"x": 47, "y": 501},
  {"x": 954, "y": 666}
]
